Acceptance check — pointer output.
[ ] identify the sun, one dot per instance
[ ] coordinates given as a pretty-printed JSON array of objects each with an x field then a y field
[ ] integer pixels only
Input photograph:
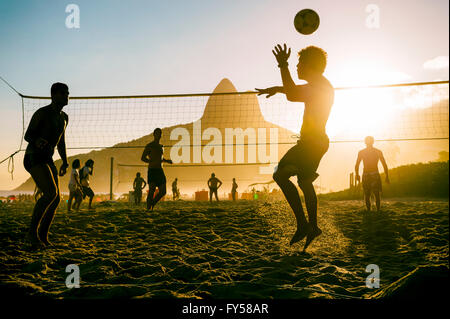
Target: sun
[{"x": 359, "y": 112}]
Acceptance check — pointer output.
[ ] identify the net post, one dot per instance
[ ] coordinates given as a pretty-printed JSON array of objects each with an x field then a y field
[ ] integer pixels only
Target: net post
[
  {"x": 351, "y": 181},
  {"x": 111, "y": 180}
]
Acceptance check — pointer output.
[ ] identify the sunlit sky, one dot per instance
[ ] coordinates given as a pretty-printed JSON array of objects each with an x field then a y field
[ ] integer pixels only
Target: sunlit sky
[{"x": 155, "y": 47}]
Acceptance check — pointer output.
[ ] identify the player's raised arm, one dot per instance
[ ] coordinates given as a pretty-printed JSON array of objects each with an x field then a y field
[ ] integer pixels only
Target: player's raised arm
[
  {"x": 294, "y": 93},
  {"x": 270, "y": 91},
  {"x": 386, "y": 171}
]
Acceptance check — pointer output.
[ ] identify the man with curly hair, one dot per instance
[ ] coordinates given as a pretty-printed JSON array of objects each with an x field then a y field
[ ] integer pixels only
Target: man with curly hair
[{"x": 303, "y": 159}]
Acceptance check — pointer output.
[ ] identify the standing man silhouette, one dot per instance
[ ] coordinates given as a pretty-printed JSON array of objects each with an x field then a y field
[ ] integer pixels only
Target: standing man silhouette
[
  {"x": 175, "y": 190},
  {"x": 233, "y": 189},
  {"x": 153, "y": 155},
  {"x": 303, "y": 159},
  {"x": 75, "y": 188},
  {"x": 44, "y": 133},
  {"x": 371, "y": 179},
  {"x": 214, "y": 183},
  {"x": 87, "y": 170},
  {"x": 138, "y": 187}
]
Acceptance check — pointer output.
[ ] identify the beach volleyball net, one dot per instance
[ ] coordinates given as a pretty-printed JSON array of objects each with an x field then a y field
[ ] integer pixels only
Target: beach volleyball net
[
  {"x": 223, "y": 129},
  {"x": 387, "y": 112}
]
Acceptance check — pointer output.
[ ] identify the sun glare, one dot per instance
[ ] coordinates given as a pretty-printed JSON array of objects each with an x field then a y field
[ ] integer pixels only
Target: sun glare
[
  {"x": 374, "y": 111},
  {"x": 362, "y": 112}
]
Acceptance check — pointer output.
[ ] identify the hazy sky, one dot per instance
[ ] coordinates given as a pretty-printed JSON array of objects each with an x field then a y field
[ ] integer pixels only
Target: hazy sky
[{"x": 150, "y": 47}]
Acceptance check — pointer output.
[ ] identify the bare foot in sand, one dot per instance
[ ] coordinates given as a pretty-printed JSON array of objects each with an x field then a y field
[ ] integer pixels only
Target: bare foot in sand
[
  {"x": 46, "y": 242},
  {"x": 312, "y": 234},
  {"x": 299, "y": 234},
  {"x": 34, "y": 241}
]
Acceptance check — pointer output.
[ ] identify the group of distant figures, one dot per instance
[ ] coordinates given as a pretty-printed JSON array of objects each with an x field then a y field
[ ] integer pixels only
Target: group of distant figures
[
  {"x": 79, "y": 187},
  {"x": 213, "y": 184},
  {"x": 46, "y": 131}
]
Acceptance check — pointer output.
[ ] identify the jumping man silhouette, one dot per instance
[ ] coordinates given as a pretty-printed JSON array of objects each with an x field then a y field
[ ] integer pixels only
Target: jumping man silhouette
[{"x": 303, "y": 159}]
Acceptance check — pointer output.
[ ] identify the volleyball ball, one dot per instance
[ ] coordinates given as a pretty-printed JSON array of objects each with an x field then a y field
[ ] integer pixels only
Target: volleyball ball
[{"x": 306, "y": 21}]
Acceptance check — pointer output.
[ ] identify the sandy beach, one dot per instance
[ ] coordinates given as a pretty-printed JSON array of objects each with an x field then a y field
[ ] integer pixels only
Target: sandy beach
[{"x": 199, "y": 250}]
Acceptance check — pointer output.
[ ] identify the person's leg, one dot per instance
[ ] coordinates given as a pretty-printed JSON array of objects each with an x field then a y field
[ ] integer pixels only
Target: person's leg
[
  {"x": 281, "y": 177},
  {"x": 49, "y": 214},
  {"x": 151, "y": 193},
  {"x": 215, "y": 194},
  {"x": 69, "y": 202},
  {"x": 310, "y": 201},
  {"x": 367, "y": 194},
  {"x": 90, "y": 201},
  {"x": 43, "y": 177},
  {"x": 78, "y": 199},
  {"x": 377, "y": 200},
  {"x": 311, "y": 207},
  {"x": 161, "y": 192},
  {"x": 89, "y": 193},
  {"x": 210, "y": 194}
]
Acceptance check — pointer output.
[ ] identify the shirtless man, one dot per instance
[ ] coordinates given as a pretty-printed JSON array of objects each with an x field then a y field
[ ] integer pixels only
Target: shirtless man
[
  {"x": 153, "y": 155},
  {"x": 175, "y": 190},
  {"x": 87, "y": 170},
  {"x": 233, "y": 189},
  {"x": 44, "y": 133},
  {"x": 303, "y": 159},
  {"x": 138, "y": 187},
  {"x": 214, "y": 183},
  {"x": 75, "y": 187},
  {"x": 371, "y": 179}
]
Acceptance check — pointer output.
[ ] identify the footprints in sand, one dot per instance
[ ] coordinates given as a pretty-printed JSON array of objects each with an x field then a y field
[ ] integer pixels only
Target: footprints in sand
[{"x": 231, "y": 250}]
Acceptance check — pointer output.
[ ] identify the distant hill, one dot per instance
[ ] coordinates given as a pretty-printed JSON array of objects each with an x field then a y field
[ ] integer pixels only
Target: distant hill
[
  {"x": 415, "y": 180},
  {"x": 221, "y": 112}
]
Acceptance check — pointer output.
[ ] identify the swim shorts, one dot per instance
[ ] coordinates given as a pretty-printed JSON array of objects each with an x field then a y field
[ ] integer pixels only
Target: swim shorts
[
  {"x": 306, "y": 156},
  {"x": 156, "y": 176},
  {"x": 371, "y": 182},
  {"x": 31, "y": 159}
]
